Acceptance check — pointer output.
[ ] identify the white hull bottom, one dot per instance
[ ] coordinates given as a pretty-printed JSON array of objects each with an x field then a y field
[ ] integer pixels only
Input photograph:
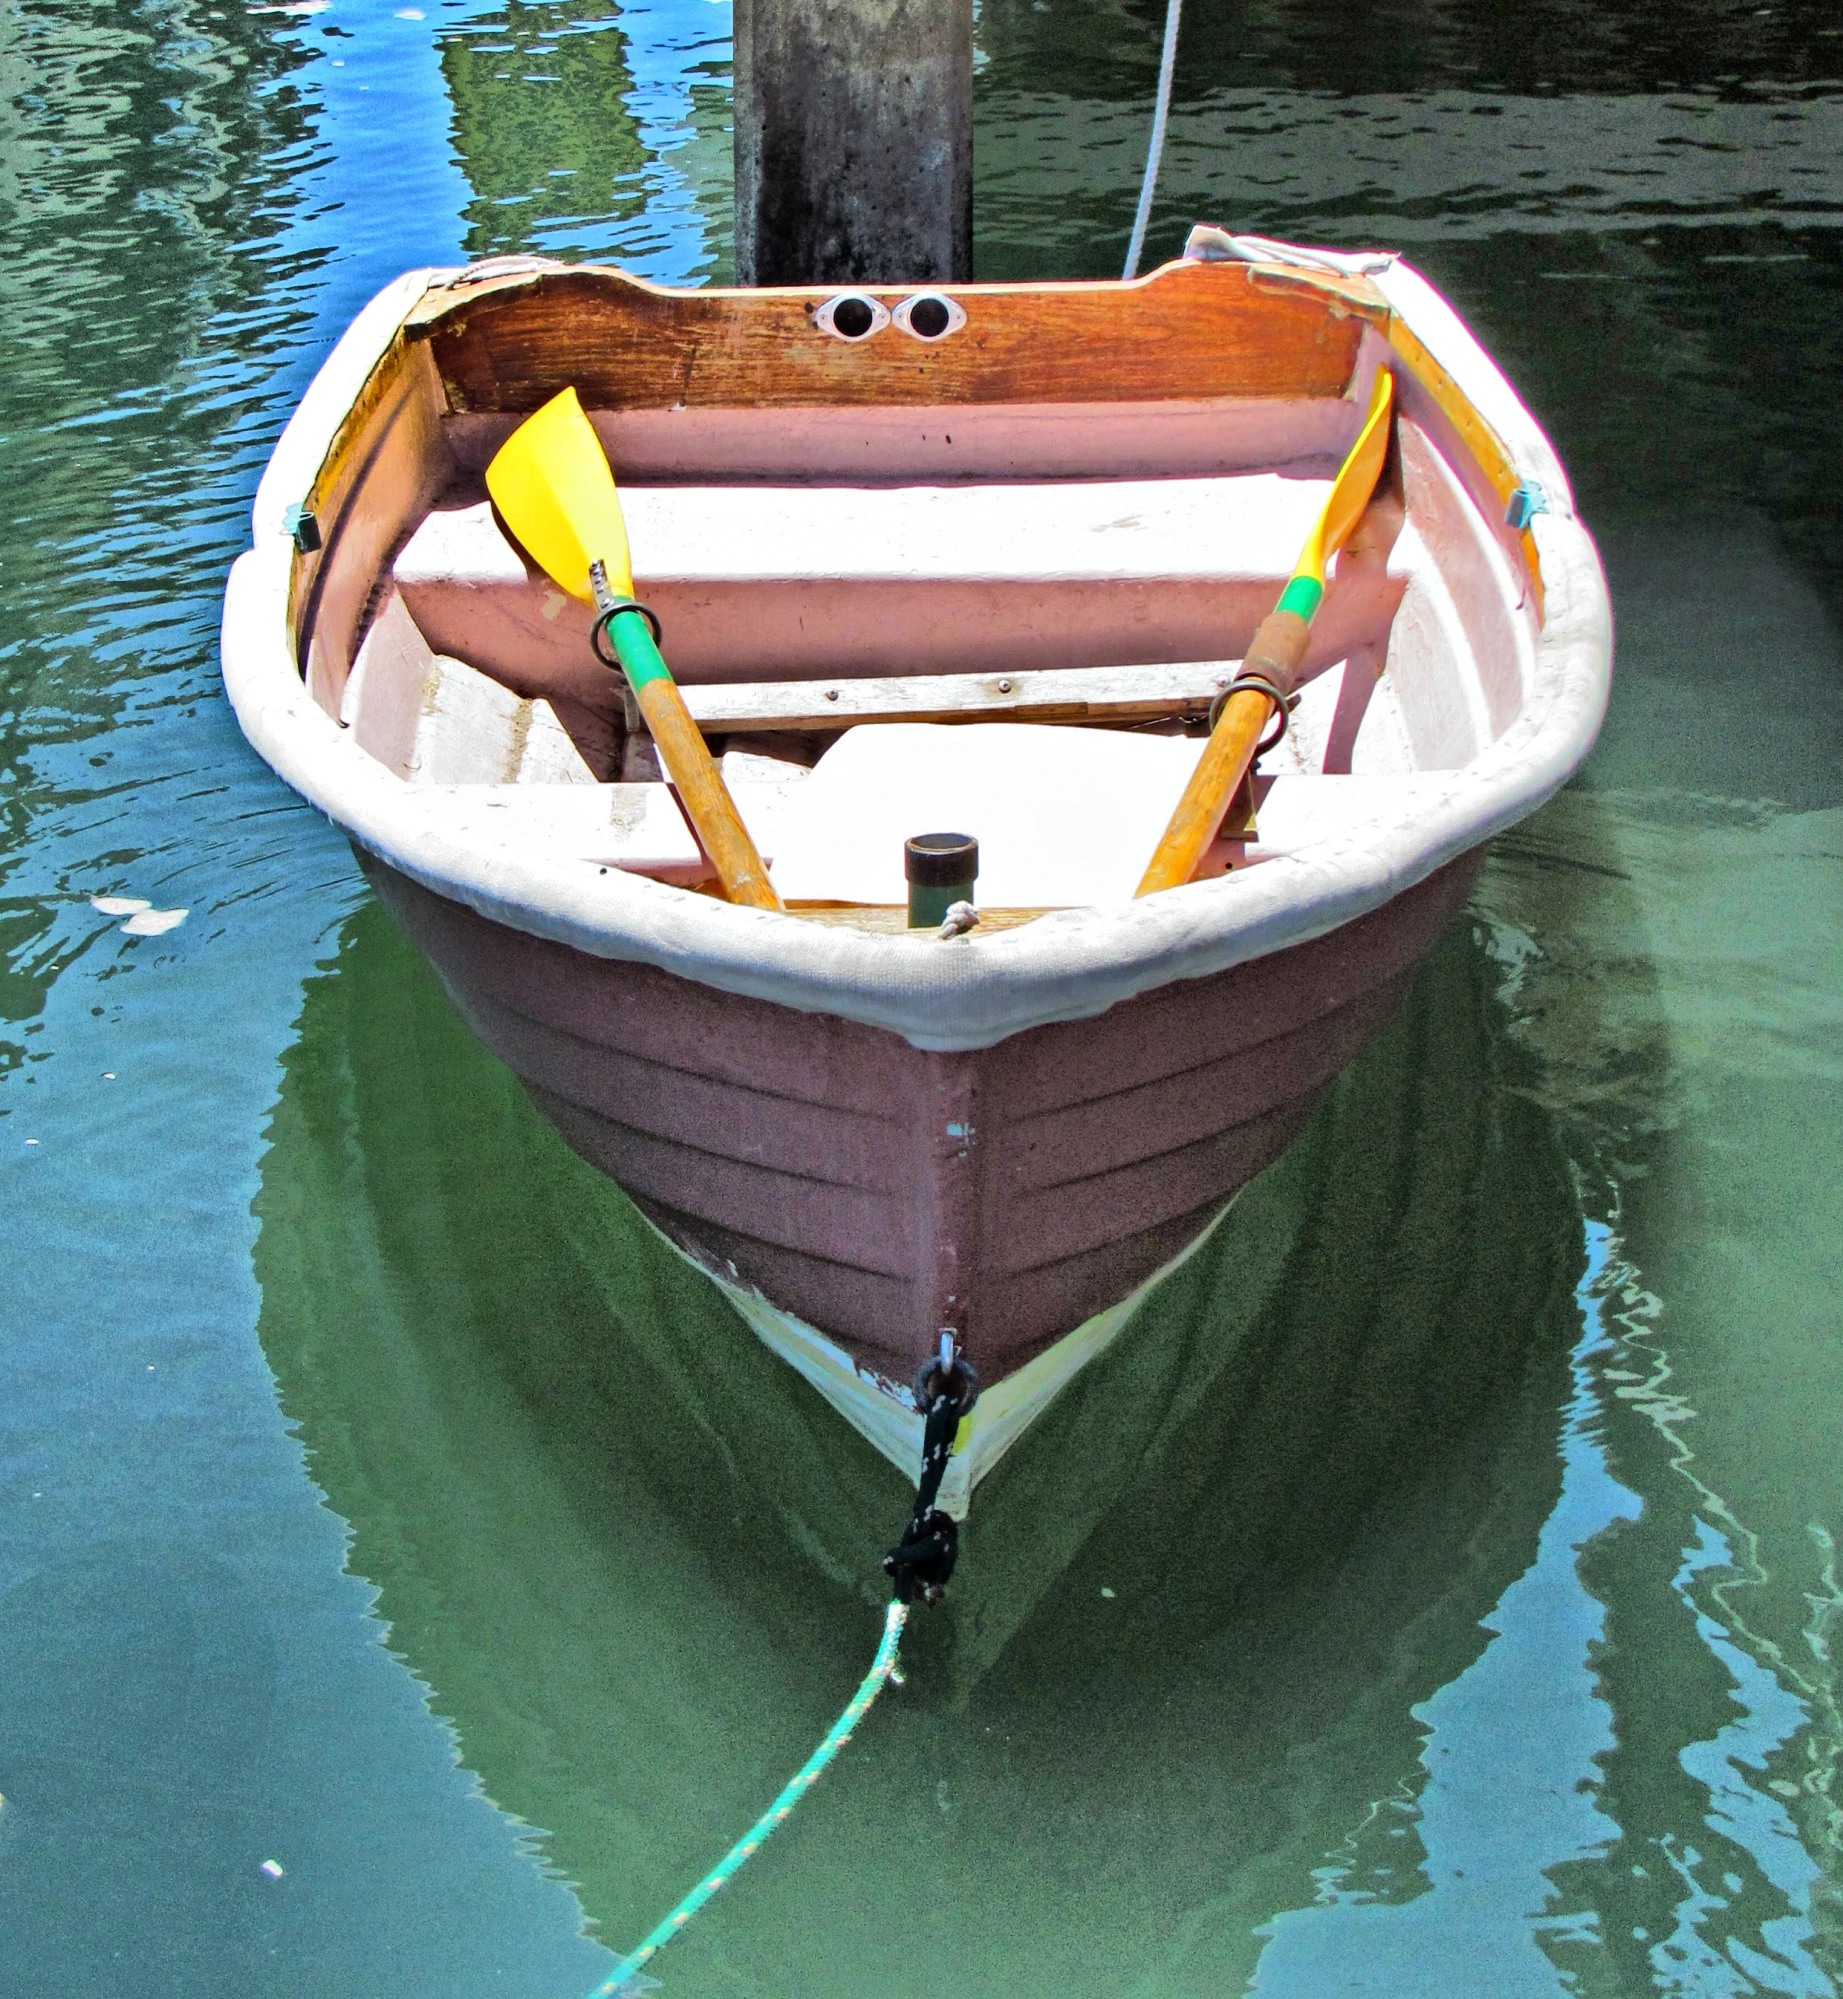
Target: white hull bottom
[{"x": 882, "y": 1412}]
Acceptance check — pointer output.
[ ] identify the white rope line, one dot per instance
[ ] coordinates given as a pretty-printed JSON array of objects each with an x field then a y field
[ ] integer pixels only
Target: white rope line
[{"x": 1160, "y": 113}]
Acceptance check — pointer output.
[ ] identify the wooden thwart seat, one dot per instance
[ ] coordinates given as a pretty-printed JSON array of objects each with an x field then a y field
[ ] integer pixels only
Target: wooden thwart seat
[{"x": 1104, "y": 694}]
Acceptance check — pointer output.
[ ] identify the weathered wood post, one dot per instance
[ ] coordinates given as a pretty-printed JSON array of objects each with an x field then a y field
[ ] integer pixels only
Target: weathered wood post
[{"x": 854, "y": 141}]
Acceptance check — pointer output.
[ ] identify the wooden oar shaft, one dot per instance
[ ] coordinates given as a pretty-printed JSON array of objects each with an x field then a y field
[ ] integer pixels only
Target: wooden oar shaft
[
  {"x": 682, "y": 749},
  {"x": 1278, "y": 647},
  {"x": 1275, "y": 655},
  {"x": 706, "y": 799}
]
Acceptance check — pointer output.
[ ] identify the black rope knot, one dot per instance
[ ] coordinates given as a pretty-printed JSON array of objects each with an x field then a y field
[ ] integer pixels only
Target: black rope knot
[{"x": 921, "y": 1563}]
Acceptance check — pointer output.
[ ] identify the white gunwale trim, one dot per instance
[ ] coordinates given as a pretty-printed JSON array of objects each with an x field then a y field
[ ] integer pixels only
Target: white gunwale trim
[{"x": 976, "y": 990}]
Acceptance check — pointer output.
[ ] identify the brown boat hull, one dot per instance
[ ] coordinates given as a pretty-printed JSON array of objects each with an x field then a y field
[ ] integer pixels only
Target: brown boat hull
[{"x": 884, "y": 1193}]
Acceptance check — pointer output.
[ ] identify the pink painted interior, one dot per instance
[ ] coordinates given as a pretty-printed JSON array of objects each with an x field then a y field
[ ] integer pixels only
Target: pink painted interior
[
  {"x": 819, "y": 630},
  {"x": 1494, "y": 613},
  {"x": 1176, "y": 438},
  {"x": 1459, "y": 676},
  {"x": 384, "y": 486}
]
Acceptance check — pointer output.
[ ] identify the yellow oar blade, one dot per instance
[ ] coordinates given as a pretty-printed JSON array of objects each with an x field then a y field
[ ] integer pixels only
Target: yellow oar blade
[
  {"x": 553, "y": 487},
  {"x": 551, "y": 483},
  {"x": 1355, "y": 483}
]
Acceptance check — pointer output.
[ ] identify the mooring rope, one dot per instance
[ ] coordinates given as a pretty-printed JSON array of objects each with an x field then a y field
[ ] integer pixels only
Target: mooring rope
[
  {"x": 882, "y": 1667},
  {"x": 1161, "y": 111},
  {"x": 919, "y": 1566}
]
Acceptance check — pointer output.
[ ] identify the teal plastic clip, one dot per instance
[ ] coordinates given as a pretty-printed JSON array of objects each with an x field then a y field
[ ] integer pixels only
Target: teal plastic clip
[
  {"x": 1524, "y": 505},
  {"x": 301, "y": 528}
]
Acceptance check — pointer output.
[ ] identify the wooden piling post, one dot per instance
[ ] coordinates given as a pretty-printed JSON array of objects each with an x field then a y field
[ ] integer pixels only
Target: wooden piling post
[{"x": 854, "y": 141}]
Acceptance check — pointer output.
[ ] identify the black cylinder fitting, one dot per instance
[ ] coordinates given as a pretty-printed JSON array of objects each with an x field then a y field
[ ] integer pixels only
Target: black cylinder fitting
[{"x": 940, "y": 869}]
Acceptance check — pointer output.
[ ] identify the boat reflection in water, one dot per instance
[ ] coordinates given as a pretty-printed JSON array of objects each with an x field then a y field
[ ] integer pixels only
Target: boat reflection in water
[{"x": 635, "y": 1558}]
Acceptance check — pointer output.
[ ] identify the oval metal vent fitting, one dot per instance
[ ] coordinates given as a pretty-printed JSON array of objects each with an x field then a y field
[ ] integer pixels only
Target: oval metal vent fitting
[
  {"x": 929, "y": 316},
  {"x": 851, "y": 316}
]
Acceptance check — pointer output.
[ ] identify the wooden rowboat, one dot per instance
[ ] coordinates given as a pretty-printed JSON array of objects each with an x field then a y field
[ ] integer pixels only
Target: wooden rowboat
[{"x": 982, "y": 559}]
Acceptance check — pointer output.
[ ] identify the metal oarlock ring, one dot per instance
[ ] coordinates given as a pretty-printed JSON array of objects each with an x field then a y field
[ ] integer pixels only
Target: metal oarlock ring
[
  {"x": 1284, "y": 702},
  {"x": 599, "y": 629}
]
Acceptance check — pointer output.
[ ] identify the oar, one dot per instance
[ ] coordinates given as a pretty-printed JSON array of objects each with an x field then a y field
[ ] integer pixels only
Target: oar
[
  {"x": 1266, "y": 676},
  {"x": 554, "y": 490}
]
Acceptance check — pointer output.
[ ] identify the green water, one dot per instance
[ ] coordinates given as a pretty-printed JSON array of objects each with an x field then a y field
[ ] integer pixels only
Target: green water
[{"x": 1434, "y": 1595}]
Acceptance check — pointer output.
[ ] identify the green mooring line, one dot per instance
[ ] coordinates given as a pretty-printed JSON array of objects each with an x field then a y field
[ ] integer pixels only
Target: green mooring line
[{"x": 757, "y": 1835}]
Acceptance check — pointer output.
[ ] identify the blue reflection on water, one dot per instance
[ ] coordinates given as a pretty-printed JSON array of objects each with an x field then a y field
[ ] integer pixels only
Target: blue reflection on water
[
  {"x": 1514, "y": 1769},
  {"x": 1499, "y": 1805}
]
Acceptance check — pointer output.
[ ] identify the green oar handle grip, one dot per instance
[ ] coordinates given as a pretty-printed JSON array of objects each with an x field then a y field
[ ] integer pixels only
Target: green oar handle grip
[
  {"x": 636, "y": 648},
  {"x": 1273, "y": 655}
]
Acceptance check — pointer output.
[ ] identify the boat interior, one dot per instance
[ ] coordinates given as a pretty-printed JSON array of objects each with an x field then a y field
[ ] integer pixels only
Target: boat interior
[{"x": 1057, "y": 523}]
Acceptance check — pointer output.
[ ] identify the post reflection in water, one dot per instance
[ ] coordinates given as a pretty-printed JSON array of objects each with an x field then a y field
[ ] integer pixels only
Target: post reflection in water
[
  {"x": 539, "y": 158},
  {"x": 1176, "y": 1684}
]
